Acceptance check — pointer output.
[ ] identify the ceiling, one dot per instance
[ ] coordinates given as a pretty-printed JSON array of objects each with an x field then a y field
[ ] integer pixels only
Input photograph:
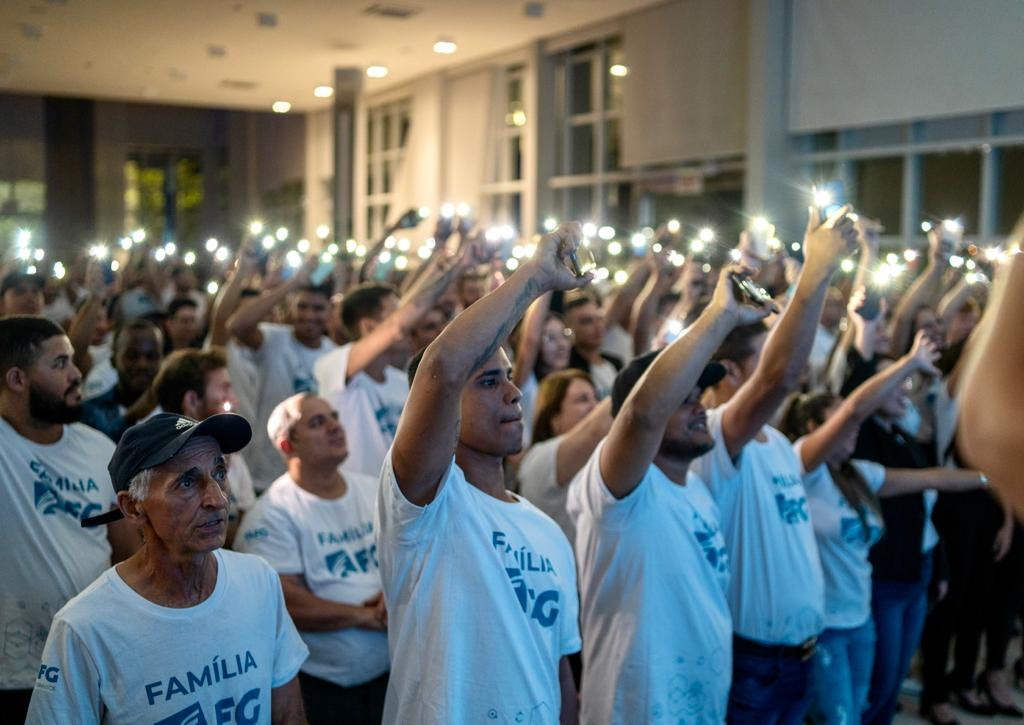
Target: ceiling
[{"x": 241, "y": 54}]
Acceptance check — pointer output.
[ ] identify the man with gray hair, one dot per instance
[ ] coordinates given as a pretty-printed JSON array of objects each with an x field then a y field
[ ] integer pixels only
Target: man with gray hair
[
  {"x": 217, "y": 642},
  {"x": 315, "y": 527}
]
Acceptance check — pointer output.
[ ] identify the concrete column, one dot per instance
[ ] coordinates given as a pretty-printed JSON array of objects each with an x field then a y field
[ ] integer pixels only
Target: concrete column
[
  {"x": 70, "y": 215},
  {"x": 348, "y": 83}
]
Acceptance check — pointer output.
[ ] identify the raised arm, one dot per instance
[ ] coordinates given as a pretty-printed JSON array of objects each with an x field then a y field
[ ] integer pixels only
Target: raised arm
[
  {"x": 244, "y": 323},
  {"x": 579, "y": 443},
  {"x": 788, "y": 345},
  {"x": 638, "y": 429},
  {"x": 529, "y": 339},
  {"x": 620, "y": 302},
  {"x": 83, "y": 324},
  {"x": 429, "y": 427},
  {"x": 645, "y": 310},
  {"x": 862, "y": 402},
  {"x": 230, "y": 295},
  {"x": 899, "y": 481},
  {"x": 926, "y": 290}
]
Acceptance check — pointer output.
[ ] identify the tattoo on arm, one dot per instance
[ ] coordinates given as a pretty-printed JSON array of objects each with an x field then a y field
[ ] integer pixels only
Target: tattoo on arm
[{"x": 531, "y": 290}]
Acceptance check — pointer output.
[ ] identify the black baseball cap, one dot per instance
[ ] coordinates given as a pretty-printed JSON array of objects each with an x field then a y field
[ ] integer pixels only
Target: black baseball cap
[
  {"x": 627, "y": 377},
  {"x": 158, "y": 439},
  {"x": 16, "y": 277}
]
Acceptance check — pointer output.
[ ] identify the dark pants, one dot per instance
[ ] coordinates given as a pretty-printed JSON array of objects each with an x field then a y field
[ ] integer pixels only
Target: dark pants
[
  {"x": 967, "y": 523},
  {"x": 327, "y": 703},
  {"x": 899, "y": 609},
  {"x": 1007, "y": 599},
  {"x": 14, "y": 705},
  {"x": 769, "y": 689}
]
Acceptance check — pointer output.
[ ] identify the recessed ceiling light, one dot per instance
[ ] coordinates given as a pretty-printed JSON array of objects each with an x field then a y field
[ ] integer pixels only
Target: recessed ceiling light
[
  {"x": 618, "y": 70},
  {"x": 323, "y": 91},
  {"x": 281, "y": 107},
  {"x": 445, "y": 47},
  {"x": 377, "y": 71}
]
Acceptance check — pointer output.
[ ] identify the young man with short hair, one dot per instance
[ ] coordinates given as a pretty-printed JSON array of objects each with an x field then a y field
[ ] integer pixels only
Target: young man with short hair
[
  {"x": 183, "y": 325},
  {"x": 315, "y": 527},
  {"x": 585, "y": 318},
  {"x": 21, "y": 293}
]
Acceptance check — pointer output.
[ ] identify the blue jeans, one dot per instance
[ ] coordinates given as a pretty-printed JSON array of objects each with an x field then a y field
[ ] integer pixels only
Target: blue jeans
[
  {"x": 841, "y": 674},
  {"x": 899, "y": 609},
  {"x": 768, "y": 690}
]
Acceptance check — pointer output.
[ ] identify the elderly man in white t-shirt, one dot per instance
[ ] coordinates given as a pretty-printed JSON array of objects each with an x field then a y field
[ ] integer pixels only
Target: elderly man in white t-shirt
[
  {"x": 315, "y": 527},
  {"x": 659, "y": 644},
  {"x": 776, "y": 594},
  {"x": 182, "y": 631},
  {"x": 480, "y": 584}
]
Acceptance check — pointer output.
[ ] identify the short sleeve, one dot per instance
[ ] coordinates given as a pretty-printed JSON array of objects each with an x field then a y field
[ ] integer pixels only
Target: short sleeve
[
  {"x": 330, "y": 371},
  {"x": 268, "y": 532},
  {"x": 275, "y": 340},
  {"x": 571, "y": 641},
  {"x": 589, "y": 496},
  {"x": 289, "y": 649},
  {"x": 715, "y": 467},
  {"x": 399, "y": 519},
  {"x": 872, "y": 472},
  {"x": 67, "y": 685}
]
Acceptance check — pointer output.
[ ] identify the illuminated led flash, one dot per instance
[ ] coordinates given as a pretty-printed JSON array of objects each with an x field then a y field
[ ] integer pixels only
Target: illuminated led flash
[
  {"x": 189, "y": 258},
  {"x": 512, "y": 264},
  {"x": 606, "y": 233},
  {"x": 956, "y": 261},
  {"x": 160, "y": 255},
  {"x": 638, "y": 240},
  {"x": 390, "y": 242},
  {"x": 361, "y": 251},
  {"x": 139, "y": 235},
  {"x": 423, "y": 212},
  {"x": 706, "y": 234},
  {"x": 58, "y": 270},
  {"x": 212, "y": 287},
  {"x": 735, "y": 254},
  {"x": 267, "y": 243},
  {"x": 322, "y": 231},
  {"x": 170, "y": 248},
  {"x": 953, "y": 226},
  {"x": 926, "y": 227},
  {"x": 891, "y": 258},
  {"x": 589, "y": 229},
  {"x": 303, "y": 246},
  {"x": 31, "y": 269},
  {"x": 462, "y": 209},
  {"x": 697, "y": 246},
  {"x": 322, "y": 92},
  {"x": 221, "y": 255},
  {"x": 401, "y": 262},
  {"x": 293, "y": 259},
  {"x": 759, "y": 223},
  {"x": 99, "y": 251},
  {"x": 619, "y": 71},
  {"x": 910, "y": 255},
  {"x": 822, "y": 197},
  {"x": 281, "y": 234},
  {"x": 614, "y": 248},
  {"x": 115, "y": 265},
  {"x": 23, "y": 237},
  {"x": 424, "y": 252},
  {"x": 621, "y": 276},
  {"x": 126, "y": 242},
  {"x": 673, "y": 226},
  {"x": 447, "y": 210},
  {"x": 255, "y": 227},
  {"x": 847, "y": 265},
  {"x": 550, "y": 224},
  {"x": 385, "y": 257},
  {"x": 280, "y": 107},
  {"x": 403, "y": 245},
  {"x": 350, "y": 246},
  {"x": 212, "y": 244},
  {"x": 38, "y": 255}
]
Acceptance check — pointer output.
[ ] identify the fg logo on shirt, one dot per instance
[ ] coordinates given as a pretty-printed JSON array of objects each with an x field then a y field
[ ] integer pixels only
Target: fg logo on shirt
[
  {"x": 48, "y": 676},
  {"x": 541, "y": 606},
  {"x": 245, "y": 712}
]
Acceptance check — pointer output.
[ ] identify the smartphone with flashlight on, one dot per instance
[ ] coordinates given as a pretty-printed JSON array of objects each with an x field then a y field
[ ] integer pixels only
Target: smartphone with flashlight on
[
  {"x": 743, "y": 286},
  {"x": 322, "y": 272},
  {"x": 410, "y": 219},
  {"x": 829, "y": 198},
  {"x": 581, "y": 261},
  {"x": 872, "y": 304}
]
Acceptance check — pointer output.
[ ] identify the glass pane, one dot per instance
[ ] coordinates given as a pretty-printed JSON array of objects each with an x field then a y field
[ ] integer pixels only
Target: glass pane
[
  {"x": 617, "y": 202},
  {"x": 403, "y": 129},
  {"x": 611, "y": 144},
  {"x": 370, "y": 178},
  {"x": 1011, "y": 188},
  {"x": 878, "y": 191},
  {"x": 371, "y": 123},
  {"x": 385, "y": 131},
  {"x": 580, "y": 203},
  {"x": 385, "y": 213},
  {"x": 613, "y": 83},
  {"x": 515, "y": 159},
  {"x": 386, "y": 178},
  {"x": 579, "y": 91},
  {"x": 582, "y": 149},
  {"x": 371, "y": 230},
  {"x": 515, "y": 91},
  {"x": 950, "y": 187}
]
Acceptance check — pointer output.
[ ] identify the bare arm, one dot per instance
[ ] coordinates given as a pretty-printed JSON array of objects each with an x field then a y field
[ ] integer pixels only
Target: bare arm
[
  {"x": 899, "y": 481},
  {"x": 818, "y": 445},
  {"x": 313, "y": 614},
  {"x": 926, "y": 290},
  {"x": 244, "y": 323},
  {"x": 428, "y": 430},
  {"x": 620, "y": 303},
  {"x": 645, "y": 310},
  {"x": 581, "y": 440},
  {"x": 570, "y": 711},
  {"x": 286, "y": 704},
  {"x": 638, "y": 429},
  {"x": 788, "y": 346},
  {"x": 83, "y": 324},
  {"x": 529, "y": 339},
  {"x": 953, "y": 300},
  {"x": 230, "y": 295}
]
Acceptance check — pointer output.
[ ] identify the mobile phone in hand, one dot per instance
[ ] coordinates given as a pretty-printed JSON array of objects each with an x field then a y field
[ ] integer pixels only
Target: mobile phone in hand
[
  {"x": 746, "y": 287},
  {"x": 872, "y": 304},
  {"x": 832, "y": 197},
  {"x": 581, "y": 261}
]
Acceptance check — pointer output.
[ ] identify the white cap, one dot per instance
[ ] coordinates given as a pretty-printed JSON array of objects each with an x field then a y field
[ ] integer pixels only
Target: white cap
[{"x": 284, "y": 417}]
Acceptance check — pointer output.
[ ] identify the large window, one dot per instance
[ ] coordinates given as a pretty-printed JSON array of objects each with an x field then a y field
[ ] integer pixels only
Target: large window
[
  {"x": 878, "y": 189},
  {"x": 1011, "y": 188},
  {"x": 387, "y": 130},
  {"x": 503, "y": 192},
  {"x": 164, "y": 194}
]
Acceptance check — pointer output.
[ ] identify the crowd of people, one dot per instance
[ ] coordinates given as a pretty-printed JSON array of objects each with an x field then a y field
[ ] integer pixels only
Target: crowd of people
[{"x": 732, "y": 486}]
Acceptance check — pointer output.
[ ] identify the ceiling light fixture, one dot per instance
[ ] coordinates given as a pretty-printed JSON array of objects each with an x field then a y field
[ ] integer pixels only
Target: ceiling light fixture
[
  {"x": 323, "y": 91},
  {"x": 376, "y": 71},
  {"x": 445, "y": 46},
  {"x": 619, "y": 71},
  {"x": 281, "y": 107}
]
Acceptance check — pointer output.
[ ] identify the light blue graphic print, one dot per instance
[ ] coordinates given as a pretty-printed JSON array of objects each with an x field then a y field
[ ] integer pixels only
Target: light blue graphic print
[{"x": 524, "y": 567}]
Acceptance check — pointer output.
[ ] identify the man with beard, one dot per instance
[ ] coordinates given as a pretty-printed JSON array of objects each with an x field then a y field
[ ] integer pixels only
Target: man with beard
[
  {"x": 138, "y": 352},
  {"x": 52, "y": 474},
  {"x": 638, "y": 508}
]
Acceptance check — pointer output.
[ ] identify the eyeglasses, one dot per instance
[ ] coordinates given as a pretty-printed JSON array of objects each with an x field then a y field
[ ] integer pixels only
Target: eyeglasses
[{"x": 565, "y": 334}]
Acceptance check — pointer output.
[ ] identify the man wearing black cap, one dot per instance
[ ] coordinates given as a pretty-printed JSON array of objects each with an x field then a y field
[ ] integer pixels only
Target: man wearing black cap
[
  {"x": 652, "y": 560},
  {"x": 182, "y": 631},
  {"x": 21, "y": 293},
  {"x": 52, "y": 474}
]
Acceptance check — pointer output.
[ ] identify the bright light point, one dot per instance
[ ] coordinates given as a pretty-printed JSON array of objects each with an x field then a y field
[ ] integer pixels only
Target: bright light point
[
  {"x": 189, "y": 258},
  {"x": 601, "y": 273},
  {"x": 492, "y": 234},
  {"x": 139, "y": 235},
  {"x": 507, "y": 233},
  {"x": 255, "y": 227},
  {"x": 518, "y": 251},
  {"x": 160, "y": 255},
  {"x": 971, "y": 278},
  {"x": 350, "y": 246},
  {"x": 621, "y": 276},
  {"x": 619, "y": 71},
  {"x": 992, "y": 253},
  {"x": 267, "y": 243},
  {"x": 638, "y": 240},
  {"x": 429, "y": 243},
  {"x": 956, "y": 261},
  {"x": 445, "y": 47},
  {"x": 891, "y": 258},
  {"x": 99, "y": 251},
  {"x": 614, "y": 248},
  {"x": 384, "y": 257},
  {"x": 822, "y": 198},
  {"x": 424, "y": 252},
  {"x": 879, "y": 278},
  {"x": 606, "y": 233},
  {"x": 970, "y": 264},
  {"x": 59, "y": 271},
  {"x": 332, "y": 249},
  {"x": 31, "y": 269},
  {"x": 673, "y": 226},
  {"x": 303, "y": 246},
  {"x": 323, "y": 91},
  {"x": 697, "y": 246},
  {"x": 550, "y": 224},
  {"x": 361, "y": 251},
  {"x": 281, "y": 234},
  {"x": 926, "y": 227},
  {"x": 953, "y": 226},
  {"x": 656, "y": 247},
  {"x": 448, "y": 210},
  {"x": 38, "y": 255},
  {"x": 589, "y": 229},
  {"x": 326, "y": 258},
  {"x": 322, "y": 231},
  {"x": 735, "y": 255},
  {"x": 910, "y": 255},
  {"x": 211, "y": 244},
  {"x": 847, "y": 265},
  {"x": 423, "y": 212},
  {"x": 518, "y": 117},
  {"x": 24, "y": 237},
  {"x": 401, "y": 262},
  {"x": 462, "y": 209},
  {"x": 403, "y": 245},
  {"x": 390, "y": 242},
  {"x": 795, "y": 246},
  {"x": 221, "y": 255},
  {"x": 170, "y": 248},
  {"x": 293, "y": 259},
  {"x": 758, "y": 223},
  {"x": 280, "y": 107},
  {"x": 530, "y": 249},
  {"x": 115, "y": 265},
  {"x": 706, "y": 234},
  {"x": 677, "y": 259},
  {"x": 24, "y": 253},
  {"x": 512, "y": 264},
  {"x": 774, "y": 244},
  {"x": 126, "y": 242},
  {"x": 212, "y": 287}
]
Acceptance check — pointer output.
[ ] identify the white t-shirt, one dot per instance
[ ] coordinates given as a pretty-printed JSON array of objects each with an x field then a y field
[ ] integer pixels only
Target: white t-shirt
[
  {"x": 653, "y": 576},
  {"x": 100, "y": 378},
  {"x": 368, "y": 410},
  {"x": 528, "y": 403},
  {"x": 777, "y": 592},
  {"x": 46, "y": 491},
  {"x": 603, "y": 374},
  {"x": 538, "y": 483},
  {"x": 285, "y": 368},
  {"x": 842, "y": 542},
  {"x": 482, "y": 605},
  {"x": 618, "y": 342},
  {"x": 331, "y": 543},
  {"x": 113, "y": 656}
]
